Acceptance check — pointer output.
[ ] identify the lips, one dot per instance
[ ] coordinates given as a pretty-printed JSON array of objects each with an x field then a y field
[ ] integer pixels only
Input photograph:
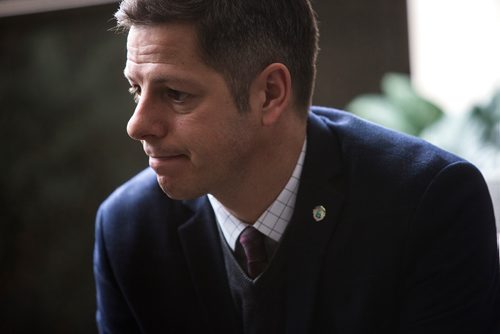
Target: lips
[
  {"x": 165, "y": 163},
  {"x": 161, "y": 159}
]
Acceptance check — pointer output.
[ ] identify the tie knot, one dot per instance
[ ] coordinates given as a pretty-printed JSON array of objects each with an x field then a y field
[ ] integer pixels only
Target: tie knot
[{"x": 253, "y": 243}]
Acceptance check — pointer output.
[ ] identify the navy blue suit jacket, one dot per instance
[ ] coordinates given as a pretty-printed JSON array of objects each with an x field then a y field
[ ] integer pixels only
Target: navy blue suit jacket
[{"x": 408, "y": 245}]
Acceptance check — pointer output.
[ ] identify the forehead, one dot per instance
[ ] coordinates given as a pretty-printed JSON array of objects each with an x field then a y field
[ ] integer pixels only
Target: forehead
[{"x": 162, "y": 43}]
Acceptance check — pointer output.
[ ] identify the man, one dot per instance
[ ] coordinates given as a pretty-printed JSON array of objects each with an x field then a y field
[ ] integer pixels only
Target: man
[{"x": 260, "y": 214}]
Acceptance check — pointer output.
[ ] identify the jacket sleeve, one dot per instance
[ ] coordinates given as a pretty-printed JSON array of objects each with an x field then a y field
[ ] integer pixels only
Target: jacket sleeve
[
  {"x": 452, "y": 280},
  {"x": 113, "y": 314}
]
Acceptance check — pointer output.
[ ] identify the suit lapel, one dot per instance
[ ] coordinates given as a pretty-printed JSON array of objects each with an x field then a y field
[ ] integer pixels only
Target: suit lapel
[
  {"x": 201, "y": 243},
  {"x": 307, "y": 239}
]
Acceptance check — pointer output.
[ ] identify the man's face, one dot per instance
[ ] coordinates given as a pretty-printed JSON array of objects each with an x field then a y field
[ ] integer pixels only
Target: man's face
[{"x": 196, "y": 139}]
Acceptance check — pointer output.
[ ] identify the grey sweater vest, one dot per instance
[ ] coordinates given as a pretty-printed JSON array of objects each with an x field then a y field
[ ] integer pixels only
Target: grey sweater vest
[{"x": 260, "y": 302}]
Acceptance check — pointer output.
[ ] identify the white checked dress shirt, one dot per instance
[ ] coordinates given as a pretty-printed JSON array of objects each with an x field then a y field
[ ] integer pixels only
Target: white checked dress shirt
[{"x": 273, "y": 222}]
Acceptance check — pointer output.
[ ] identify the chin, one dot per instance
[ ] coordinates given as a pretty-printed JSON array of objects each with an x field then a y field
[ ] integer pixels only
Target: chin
[{"x": 178, "y": 193}]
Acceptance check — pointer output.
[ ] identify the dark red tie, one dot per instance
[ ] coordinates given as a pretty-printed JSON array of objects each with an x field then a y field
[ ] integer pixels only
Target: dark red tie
[{"x": 253, "y": 244}]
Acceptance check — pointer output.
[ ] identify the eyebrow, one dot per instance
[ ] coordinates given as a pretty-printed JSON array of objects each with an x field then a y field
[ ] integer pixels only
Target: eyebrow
[{"x": 159, "y": 80}]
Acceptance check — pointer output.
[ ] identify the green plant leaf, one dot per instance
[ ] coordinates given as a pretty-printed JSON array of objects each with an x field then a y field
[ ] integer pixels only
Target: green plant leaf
[{"x": 380, "y": 110}]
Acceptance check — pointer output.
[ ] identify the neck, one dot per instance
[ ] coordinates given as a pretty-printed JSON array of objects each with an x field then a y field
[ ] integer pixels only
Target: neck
[{"x": 265, "y": 179}]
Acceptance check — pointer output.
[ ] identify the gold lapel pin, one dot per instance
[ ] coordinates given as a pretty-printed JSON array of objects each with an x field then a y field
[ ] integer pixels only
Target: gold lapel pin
[{"x": 319, "y": 213}]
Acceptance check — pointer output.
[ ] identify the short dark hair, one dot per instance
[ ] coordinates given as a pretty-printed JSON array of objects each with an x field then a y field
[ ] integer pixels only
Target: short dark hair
[{"x": 239, "y": 38}]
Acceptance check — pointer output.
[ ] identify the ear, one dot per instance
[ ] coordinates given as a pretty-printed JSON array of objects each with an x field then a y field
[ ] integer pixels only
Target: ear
[{"x": 273, "y": 87}]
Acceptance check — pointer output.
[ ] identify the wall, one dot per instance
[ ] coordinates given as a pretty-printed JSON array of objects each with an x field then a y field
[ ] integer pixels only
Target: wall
[
  {"x": 63, "y": 110},
  {"x": 360, "y": 41}
]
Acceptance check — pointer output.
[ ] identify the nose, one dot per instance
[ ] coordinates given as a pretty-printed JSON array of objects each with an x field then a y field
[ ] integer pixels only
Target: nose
[{"x": 146, "y": 122}]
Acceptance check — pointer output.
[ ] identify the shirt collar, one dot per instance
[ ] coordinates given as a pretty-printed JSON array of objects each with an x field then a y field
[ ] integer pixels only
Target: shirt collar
[{"x": 274, "y": 220}]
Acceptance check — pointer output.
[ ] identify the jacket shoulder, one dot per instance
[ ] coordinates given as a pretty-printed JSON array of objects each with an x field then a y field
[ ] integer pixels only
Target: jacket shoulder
[
  {"x": 136, "y": 192},
  {"x": 367, "y": 144},
  {"x": 138, "y": 205}
]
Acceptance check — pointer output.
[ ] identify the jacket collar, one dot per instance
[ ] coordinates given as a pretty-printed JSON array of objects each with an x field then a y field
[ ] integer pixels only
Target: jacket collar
[{"x": 321, "y": 187}]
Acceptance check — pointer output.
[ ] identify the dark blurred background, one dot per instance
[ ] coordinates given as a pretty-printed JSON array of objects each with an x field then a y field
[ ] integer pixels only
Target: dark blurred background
[{"x": 64, "y": 106}]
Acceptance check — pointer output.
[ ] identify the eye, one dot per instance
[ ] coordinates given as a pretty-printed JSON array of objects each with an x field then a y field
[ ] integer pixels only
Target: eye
[
  {"x": 135, "y": 91},
  {"x": 177, "y": 96}
]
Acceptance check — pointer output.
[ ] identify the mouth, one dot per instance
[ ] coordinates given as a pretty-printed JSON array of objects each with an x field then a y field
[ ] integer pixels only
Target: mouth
[{"x": 163, "y": 163}]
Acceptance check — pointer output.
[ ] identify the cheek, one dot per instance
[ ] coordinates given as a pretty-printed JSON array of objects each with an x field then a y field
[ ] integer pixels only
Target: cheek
[
  {"x": 218, "y": 149},
  {"x": 215, "y": 140}
]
